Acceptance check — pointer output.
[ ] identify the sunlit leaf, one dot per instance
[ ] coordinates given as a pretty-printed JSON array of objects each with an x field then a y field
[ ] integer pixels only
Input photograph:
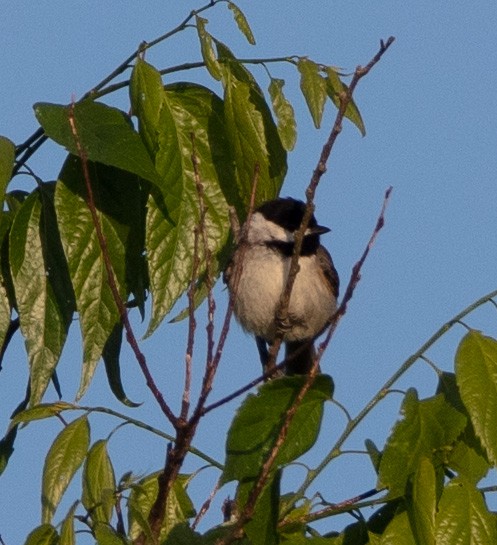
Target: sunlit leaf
[
  {"x": 466, "y": 456},
  {"x": 106, "y": 535},
  {"x": 463, "y": 517},
  {"x": 41, "y": 411},
  {"x": 67, "y": 533},
  {"x": 398, "y": 532},
  {"x": 313, "y": 87},
  {"x": 422, "y": 503},
  {"x": 120, "y": 210},
  {"x": 105, "y": 134},
  {"x": 7, "y": 158},
  {"x": 43, "y": 289},
  {"x": 335, "y": 87},
  {"x": 207, "y": 48},
  {"x": 63, "y": 460},
  {"x": 428, "y": 426},
  {"x": 99, "y": 483},
  {"x": 179, "y": 507},
  {"x": 253, "y": 138},
  {"x": 257, "y": 423},
  {"x": 44, "y": 534},
  {"x": 476, "y": 374},
  {"x": 242, "y": 23},
  {"x": 191, "y": 119},
  {"x": 285, "y": 115}
]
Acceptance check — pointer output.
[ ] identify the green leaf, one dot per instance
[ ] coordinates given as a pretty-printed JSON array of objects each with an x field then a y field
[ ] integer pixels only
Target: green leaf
[
  {"x": 429, "y": 426},
  {"x": 45, "y": 534},
  {"x": 120, "y": 208},
  {"x": 287, "y": 128},
  {"x": 67, "y": 533},
  {"x": 7, "y": 159},
  {"x": 374, "y": 454},
  {"x": 110, "y": 354},
  {"x": 467, "y": 456},
  {"x": 182, "y": 534},
  {"x": 99, "y": 483},
  {"x": 335, "y": 87},
  {"x": 173, "y": 213},
  {"x": 398, "y": 532},
  {"x": 313, "y": 87},
  {"x": 253, "y": 138},
  {"x": 43, "y": 289},
  {"x": 207, "y": 48},
  {"x": 242, "y": 23},
  {"x": 422, "y": 503},
  {"x": 463, "y": 517},
  {"x": 105, "y": 134},
  {"x": 476, "y": 374},
  {"x": 262, "y": 527},
  {"x": 41, "y": 411},
  {"x": 106, "y": 535},
  {"x": 179, "y": 507},
  {"x": 257, "y": 423},
  {"x": 63, "y": 460}
]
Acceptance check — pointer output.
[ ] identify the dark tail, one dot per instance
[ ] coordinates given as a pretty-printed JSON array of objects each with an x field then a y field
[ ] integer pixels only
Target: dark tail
[{"x": 299, "y": 356}]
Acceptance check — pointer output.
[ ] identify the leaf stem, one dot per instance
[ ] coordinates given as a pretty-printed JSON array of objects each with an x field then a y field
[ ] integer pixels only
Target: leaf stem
[{"x": 352, "y": 424}]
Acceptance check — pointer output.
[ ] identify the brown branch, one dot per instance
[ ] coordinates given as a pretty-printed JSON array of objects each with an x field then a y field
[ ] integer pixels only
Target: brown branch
[
  {"x": 123, "y": 314},
  {"x": 282, "y": 311},
  {"x": 212, "y": 366}
]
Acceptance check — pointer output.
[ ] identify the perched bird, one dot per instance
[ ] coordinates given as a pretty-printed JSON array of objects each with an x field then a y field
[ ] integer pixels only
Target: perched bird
[{"x": 258, "y": 271}]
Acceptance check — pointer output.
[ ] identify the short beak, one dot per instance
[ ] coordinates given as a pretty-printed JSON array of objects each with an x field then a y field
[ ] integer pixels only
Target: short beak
[{"x": 320, "y": 230}]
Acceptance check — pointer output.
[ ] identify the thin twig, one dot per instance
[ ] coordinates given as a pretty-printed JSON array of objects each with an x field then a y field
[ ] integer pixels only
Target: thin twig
[
  {"x": 212, "y": 367},
  {"x": 33, "y": 143},
  {"x": 387, "y": 388},
  {"x": 123, "y": 313},
  {"x": 206, "y": 505},
  {"x": 282, "y": 309}
]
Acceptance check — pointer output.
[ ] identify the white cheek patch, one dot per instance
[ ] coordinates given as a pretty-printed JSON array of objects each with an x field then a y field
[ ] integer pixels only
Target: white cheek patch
[{"x": 261, "y": 230}]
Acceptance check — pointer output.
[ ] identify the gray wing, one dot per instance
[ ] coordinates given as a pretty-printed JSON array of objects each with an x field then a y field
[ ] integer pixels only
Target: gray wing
[{"x": 329, "y": 270}]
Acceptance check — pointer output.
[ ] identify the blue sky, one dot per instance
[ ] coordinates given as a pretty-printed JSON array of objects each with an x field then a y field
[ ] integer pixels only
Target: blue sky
[{"x": 430, "y": 110}]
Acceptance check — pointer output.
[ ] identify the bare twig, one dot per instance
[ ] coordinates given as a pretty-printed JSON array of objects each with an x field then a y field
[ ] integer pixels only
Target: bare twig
[
  {"x": 130, "y": 336},
  {"x": 282, "y": 310}
]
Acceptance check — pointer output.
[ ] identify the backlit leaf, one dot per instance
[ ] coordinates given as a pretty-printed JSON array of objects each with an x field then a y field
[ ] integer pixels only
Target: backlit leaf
[
  {"x": 253, "y": 138},
  {"x": 422, "y": 503},
  {"x": 242, "y": 23},
  {"x": 7, "y": 158},
  {"x": 313, "y": 87},
  {"x": 179, "y": 507},
  {"x": 44, "y": 534},
  {"x": 191, "y": 119},
  {"x": 428, "y": 426},
  {"x": 99, "y": 483},
  {"x": 335, "y": 87},
  {"x": 105, "y": 134},
  {"x": 63, "y": 460},
  {"x": 120, "y": 209},
  {"x": 463, "y": 517},
  {"x": 284, "y": 114},
  {"x": 207, "y": 48},
  {"x": 398, "y": 532},
  {"x": 41, "y": 411},
  {"x": 43, "y": 289},
  {"x": 476, "y": 374}
]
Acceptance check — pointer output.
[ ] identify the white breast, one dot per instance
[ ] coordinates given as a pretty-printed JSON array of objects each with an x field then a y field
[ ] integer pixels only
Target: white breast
[{"x": 262, "y": 281}]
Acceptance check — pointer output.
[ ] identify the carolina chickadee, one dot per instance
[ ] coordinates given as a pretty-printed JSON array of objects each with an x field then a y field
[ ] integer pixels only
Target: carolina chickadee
[{"x": 264, "y": 258}]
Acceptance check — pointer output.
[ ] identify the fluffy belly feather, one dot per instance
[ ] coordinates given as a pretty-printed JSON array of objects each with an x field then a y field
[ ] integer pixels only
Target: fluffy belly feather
[{"x": 261, "y": 283}]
